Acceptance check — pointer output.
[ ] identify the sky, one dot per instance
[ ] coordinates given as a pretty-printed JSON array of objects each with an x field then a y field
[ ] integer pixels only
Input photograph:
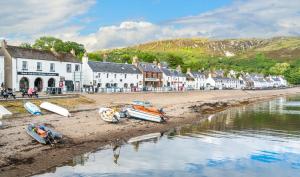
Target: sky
[{"x": 106, "y": 24}]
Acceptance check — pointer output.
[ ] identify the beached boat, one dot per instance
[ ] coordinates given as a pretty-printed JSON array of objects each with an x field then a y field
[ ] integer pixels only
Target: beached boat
[
  {"x": 109, "y": 115},
  {"x": 43, "y": 134},
  {"x": 144, "y": 137},
  {"x": 32, "y": 108},
  {"x": 143, "y": 113},
  {"x": 142, "y": 103},
  {"x": 56, "y": 109},
  {"x": 4, "y": 112}
]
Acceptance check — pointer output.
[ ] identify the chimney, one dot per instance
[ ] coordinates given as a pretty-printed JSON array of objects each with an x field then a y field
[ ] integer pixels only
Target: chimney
[
  {"x": 135, "y": 61},
  {"x": 4, "y": 44},
  {"x": 73, "y": 52},
  {"x": 155, "y": 62},
  {"x": 85, "y": 58},
  {"x": 104, "y": 57},
  {"x": 188, "y": 70},
  {"x": 159, "y": 65},
  {"x": 178, "y": 68}
]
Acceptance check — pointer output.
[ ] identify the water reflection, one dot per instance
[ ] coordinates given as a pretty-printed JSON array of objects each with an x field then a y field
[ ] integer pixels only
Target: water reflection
[{"x": 257, "y": 140}]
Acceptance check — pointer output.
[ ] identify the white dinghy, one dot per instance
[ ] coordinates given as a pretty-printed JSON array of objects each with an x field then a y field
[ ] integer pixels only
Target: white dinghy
[
  {"x": 56, "y": 109},
  {"x": 138, "y": 114},
  {"x": 109, "y": 115},
  {"x": 4, "y": 113}
]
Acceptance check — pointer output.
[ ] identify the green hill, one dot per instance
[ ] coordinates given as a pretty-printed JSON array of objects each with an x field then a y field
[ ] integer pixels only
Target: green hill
[{"x": 280, "y": 55}]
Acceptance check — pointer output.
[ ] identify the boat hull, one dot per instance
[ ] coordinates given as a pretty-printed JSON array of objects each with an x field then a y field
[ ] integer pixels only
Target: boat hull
[
  {"x": 32, "y": 108},
  {"x": 34, "y": 135},
  {"x": 109, "y": 115},
  {"x": 143, "y": 115},
  {"x": 56, "y": 109}
]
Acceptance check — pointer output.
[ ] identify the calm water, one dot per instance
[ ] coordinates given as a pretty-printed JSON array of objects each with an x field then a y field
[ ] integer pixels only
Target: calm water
[{"x": 258, "y": 140}]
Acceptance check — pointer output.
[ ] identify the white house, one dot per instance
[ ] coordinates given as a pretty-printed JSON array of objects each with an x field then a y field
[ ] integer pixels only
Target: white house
[
  {"x": 195, "y": 80},
  {"x": 222, "y": 83},
  {"x": 173, "y": 79},
  {"x": 111, "y": 75},
  {"x": 32, "y": 68},
  {"x": 1, "y": 68}
]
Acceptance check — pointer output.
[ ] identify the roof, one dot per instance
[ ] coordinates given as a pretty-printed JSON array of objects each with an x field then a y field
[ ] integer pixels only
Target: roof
[
  {"x": 110, "y": 67},
  {"x": 149, "y": 67},
  {"x": 197, "y": 74},
  {"x": 224, "y": 79},
  {"x": 172, "y": 72},
  {"x": 19, "y": 52}
]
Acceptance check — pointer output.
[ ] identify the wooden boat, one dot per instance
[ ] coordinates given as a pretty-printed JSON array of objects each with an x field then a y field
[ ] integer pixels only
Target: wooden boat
[
  {"x": 4, "y": 112},
  {"x": 43, "y": 134},
  {"x": 32, "y": 108},
  {"x": 56, "y": 109},
  {"x": 145, "y": 113},
  {"x": 109, "y": 115},
  {"x": 144, "y": 137}
]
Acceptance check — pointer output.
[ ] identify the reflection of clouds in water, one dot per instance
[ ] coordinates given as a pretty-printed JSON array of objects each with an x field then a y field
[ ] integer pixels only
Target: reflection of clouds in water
[{"x": 208, "y": 149}]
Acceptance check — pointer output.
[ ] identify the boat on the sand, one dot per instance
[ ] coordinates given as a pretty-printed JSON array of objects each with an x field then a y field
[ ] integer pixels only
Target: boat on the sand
[
  {"x": 109, "y": 115},
  {"x": 145, "y": 113},
  {"x": 43, "y": 134},
  {"x": 32, "y": 108},
  {"x": 4, "y": 112},
  {"x": 56, "y": 109},
  {"x": 142, "y": 103}
]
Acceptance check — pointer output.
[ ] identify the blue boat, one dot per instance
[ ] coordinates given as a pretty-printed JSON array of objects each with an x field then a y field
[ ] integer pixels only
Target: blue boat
[{"x": 32, "y": 108}]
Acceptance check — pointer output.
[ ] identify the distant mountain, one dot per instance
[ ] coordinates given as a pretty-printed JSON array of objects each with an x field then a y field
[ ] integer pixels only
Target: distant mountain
[{"x": 267, "y": 56}]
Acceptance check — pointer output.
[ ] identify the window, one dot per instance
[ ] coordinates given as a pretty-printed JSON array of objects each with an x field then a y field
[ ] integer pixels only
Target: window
[
  {"x": 115, "y": 75},
  {"x": 125, "y": 76},
  {"x": 24, "y": 65},
  {"x": 69, "y": 68},
  {"x": 107, "y": 75},
  {"x": 52, "y": 67},
  {"x": 77, "y": 68},
  {"x": 137, "y": 76},
  {"x": 39, "y": 66},
  {"x": 99, "y": 74}
]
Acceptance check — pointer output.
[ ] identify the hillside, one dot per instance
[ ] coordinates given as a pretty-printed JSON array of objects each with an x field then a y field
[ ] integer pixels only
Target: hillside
[{"x": 280, "y": 55}]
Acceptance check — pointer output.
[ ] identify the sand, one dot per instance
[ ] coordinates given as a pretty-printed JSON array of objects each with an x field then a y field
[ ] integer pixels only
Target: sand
[{"x": 85, "y": 131}]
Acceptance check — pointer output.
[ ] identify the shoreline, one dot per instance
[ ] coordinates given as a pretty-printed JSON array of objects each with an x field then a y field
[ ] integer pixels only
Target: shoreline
[{"x": 85, "y": 132}]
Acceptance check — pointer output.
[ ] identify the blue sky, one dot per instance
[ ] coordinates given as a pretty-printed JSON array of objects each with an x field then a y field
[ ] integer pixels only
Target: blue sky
[
  {"x": 110, "y": 12},
  {"x": 105, "y": 24}
]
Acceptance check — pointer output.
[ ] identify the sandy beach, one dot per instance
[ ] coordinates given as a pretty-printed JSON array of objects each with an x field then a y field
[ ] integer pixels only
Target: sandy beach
[{"x": 84, "y": 131}]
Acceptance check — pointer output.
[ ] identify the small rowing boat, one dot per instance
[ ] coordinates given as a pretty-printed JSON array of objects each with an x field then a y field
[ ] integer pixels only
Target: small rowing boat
[
  {"x": 32, "y": 108},
  {"x": 56, "y": 109},
  {"x": 142, "y": 103},
  {"x": 145, "y": 113},
  {"x": 43, "y": 134},
  {"x": 109, "y": 115}
]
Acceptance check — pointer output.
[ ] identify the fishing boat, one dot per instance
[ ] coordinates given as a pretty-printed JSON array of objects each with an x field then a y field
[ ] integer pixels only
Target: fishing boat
[
  {"x": 4, "y": 112},
  {"x": 56, "y": 109},
  {"x": 32, "y": 108},
  {"x": 144, "y": 137},
  {"x": 144, "y": 113},
  {"x": 109, "y": 115},
  {"x": 43, "y": 134}
]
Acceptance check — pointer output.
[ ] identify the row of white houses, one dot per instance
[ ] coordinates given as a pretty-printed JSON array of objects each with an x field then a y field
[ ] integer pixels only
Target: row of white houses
[{"x": 22, "y": 68}]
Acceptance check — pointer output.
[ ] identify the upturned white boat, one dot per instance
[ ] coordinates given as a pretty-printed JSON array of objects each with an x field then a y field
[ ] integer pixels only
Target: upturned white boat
[
  {"x": 138, "y": 114},
  {"x": 4, "y": 112},
  {"x": 109, "y": 115},
  {"x": 32, "y": 108},
  {"x": 56, "y": 109}
]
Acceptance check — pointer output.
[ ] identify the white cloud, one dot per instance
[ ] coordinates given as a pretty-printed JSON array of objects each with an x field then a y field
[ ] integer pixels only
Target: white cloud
[{"x": 241, "y": 19}]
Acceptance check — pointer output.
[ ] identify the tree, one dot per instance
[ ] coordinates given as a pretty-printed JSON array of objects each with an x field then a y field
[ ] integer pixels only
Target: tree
[
  {"x": 48, "y": 42},
  {"x": 279, "y": 68},
  {"x": 26, "y": 45}
]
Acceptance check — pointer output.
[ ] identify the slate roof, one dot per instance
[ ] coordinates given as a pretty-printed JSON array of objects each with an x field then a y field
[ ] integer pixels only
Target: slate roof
[
  {"x": 172, "y": 72},
  {"x": 110, "y": 67},
  {"x": 198, "y": 74},
  {"x": 19, "y": 52},
  {"x": 149, "y": 67}
]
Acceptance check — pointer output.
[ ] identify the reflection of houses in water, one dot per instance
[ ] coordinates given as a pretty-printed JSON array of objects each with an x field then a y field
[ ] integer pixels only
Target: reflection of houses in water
[{"x": 80, "y": 159}]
